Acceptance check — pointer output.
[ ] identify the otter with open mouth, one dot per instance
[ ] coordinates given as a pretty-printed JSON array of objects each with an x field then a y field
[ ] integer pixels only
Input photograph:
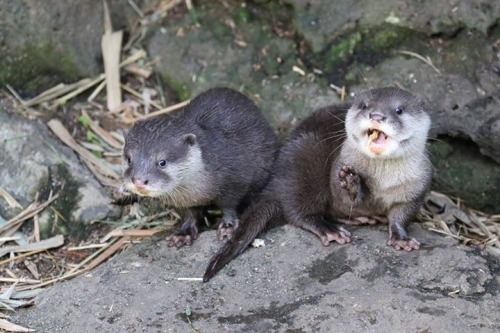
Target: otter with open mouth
[{"x": 358, "y": 163}]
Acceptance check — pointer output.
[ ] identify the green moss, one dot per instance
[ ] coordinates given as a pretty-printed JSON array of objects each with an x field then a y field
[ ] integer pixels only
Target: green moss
[
  {"x": 343, "y": 48},
  {"x": 219, "y": 30},
  {"x": 242, "y": 15},
  {"x": 456, "y": 164},
  {"x": 60, "y": 220},
  {"x": 67, "y": 201},
  {"x": 178, "y": 87},
  {"x": 35, "y": 68},
  {"x": 387, "y": 38}
]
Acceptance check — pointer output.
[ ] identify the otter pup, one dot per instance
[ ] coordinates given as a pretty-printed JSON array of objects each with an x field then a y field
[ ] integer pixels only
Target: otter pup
[
  {"x": 358, "y": 163},
  {"x": 219, "y": 150}
]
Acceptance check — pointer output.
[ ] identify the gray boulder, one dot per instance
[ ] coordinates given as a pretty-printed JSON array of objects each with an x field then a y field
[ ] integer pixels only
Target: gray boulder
[
  {"x": 33, "y": 162},
  {"x": 293, "y": 284}
]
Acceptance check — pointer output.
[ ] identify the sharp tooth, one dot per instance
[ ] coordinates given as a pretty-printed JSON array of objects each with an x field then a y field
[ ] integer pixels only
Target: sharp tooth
[{"x": 374, "y": 135}]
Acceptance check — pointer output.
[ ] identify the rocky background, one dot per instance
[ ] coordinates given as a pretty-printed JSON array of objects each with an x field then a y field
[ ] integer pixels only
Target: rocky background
[
  {"x": 287, "y": 55},
  {"x": 290, "y": 56}
]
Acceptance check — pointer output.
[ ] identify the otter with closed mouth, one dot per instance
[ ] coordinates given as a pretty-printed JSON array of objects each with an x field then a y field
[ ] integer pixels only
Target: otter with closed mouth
[
  {"x": 358, "y": 163},
  {"x": 219, "y": 150}
]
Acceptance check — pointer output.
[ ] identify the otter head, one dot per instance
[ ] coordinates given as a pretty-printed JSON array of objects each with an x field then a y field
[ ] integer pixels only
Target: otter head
[
  {"x": 158, "y": 158},
  {"x": 387, "y": 123}
]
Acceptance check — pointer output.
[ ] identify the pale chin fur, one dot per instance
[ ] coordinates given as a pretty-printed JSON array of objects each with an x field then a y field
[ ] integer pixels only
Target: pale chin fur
[
  {"x": 188, "y": 180},
  {"x": 414, "y": 139},
  {"x": 180, "y": 174}
]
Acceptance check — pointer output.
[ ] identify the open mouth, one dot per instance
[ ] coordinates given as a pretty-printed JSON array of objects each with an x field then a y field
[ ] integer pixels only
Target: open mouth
[{"x": 376, "y": 136}]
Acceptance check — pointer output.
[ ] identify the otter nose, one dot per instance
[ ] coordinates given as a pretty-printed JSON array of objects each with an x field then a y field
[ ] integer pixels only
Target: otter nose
[
  {"x": 377, "y": 117},
  {"x": 138, "y": 182}
]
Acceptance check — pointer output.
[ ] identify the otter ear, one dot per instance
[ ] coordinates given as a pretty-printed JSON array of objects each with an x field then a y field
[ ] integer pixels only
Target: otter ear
[{"x": 190, "y": 139}]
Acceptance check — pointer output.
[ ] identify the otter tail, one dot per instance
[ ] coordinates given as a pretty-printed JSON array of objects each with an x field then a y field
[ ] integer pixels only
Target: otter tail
[{"x": 258, "y": 218}]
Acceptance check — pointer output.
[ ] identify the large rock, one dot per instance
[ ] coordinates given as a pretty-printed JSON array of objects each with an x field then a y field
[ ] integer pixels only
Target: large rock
[
  {"x": 320, "y": 22},
  {"x": 237, "y": 48},
  {"x": 44, "y": 43},
  {"x": 32, "y": 163},
  {"x": 293, "y": 284}
]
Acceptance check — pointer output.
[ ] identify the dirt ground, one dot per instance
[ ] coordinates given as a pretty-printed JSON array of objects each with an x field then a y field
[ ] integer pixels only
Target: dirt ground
[{"x": 293, "y": 284}]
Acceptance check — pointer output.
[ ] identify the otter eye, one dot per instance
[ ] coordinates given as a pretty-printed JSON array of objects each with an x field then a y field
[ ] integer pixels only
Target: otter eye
[
  {"x": 162, "y": 163},
  {"x": 128, "y": 160},
  {"x": 362, "y": 106},
  {"x": 399, "y": 110}
]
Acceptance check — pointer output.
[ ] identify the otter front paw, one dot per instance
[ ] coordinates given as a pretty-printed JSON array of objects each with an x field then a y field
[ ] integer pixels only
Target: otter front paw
[
  {"x": 350, "y": 181},
  {"x": 183, "y": 237},
  {"x": 404, "y": 243}
]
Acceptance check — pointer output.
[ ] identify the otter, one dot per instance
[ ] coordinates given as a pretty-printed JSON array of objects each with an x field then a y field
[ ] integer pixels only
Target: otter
[
  {"x": 359, "y": 163},
  {"x": 219, "y": 150}
]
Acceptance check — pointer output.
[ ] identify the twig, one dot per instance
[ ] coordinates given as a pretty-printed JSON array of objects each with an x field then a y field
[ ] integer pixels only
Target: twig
[
  {"x": 20, "y": 256},
  {"x": 103, "y": 134},
  {"x": 106, "y": 254},
  {"x": 111, "y": 50},
  {"x": 28, "y": 213},
  {"x": 14, "y": 93},
  {"x": 166, "y": 110},
  {"x": 426, "y": 60},
  {"x": 136, "y": 94},
  {"x": 45, "y": 244},
  {"x": 62, "y": 133},
  {"x": 10, "y": 200}
]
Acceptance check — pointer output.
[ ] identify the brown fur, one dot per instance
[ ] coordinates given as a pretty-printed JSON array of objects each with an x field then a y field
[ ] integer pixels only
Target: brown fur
[
  {"x": 325, "y": 173},
  {"x": 219, "y": 150}
]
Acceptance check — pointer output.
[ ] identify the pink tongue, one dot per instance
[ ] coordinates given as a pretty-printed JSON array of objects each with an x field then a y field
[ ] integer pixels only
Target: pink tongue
[{"x": 380, "y": 139}]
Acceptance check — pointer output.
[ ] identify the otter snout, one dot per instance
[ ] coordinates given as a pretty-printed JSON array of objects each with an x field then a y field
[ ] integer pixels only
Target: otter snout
[
  {"x": 378, "y": 117},
  {"x": 139, "y": 182}
]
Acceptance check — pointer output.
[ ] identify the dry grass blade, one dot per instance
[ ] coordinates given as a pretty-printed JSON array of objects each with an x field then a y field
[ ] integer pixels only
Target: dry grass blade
[
  {"x": 100, "y": 165},
  {"x": 81, "y": 88},
  {"x": 10, "y": 327},
  {"x": 86, "y": 247},
  {"x": 31, "y": 267},
  {"x": 17, "y": 280},
  {"x": 45, "y": 244},
  {"x": 111, "y": 44},
  {"x": 13, "y": 224},
  {"x": 140, "y": 71},
  {"x": 140, "y": 97},
  {"x": 166, "y": 110},
  {"x": 103, "y": 134},
  {"x": 106, "y": 254},
  {"x": 27, "y": 254},
  {"x": 55, "y": 92},
  {"x": 426, "y": 60},
  {"x": 442, "y": 215},
  {"x": 71, "y": 90},
  {"x": 134, "y": 232},
  {"x": 10, "y": 200}
]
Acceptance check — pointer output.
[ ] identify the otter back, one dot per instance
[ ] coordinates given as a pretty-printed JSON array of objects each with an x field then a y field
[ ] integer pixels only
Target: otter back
[{"x": 218, "y": 150}]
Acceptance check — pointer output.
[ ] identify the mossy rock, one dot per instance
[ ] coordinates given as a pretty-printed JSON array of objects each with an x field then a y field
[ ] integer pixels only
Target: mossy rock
[
  {"x": 461, "y": 171},
  {"x": 35, "y": 68}
]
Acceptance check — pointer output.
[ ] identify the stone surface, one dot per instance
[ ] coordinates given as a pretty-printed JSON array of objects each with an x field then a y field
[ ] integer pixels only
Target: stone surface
[
  {"x": 320, "y": 22},
  {"x": 245, "y": 54},
  {"x": 293, "y": 284},
  {"x": 33, "y": 162},
  {"x": 45, "y": 43}
]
